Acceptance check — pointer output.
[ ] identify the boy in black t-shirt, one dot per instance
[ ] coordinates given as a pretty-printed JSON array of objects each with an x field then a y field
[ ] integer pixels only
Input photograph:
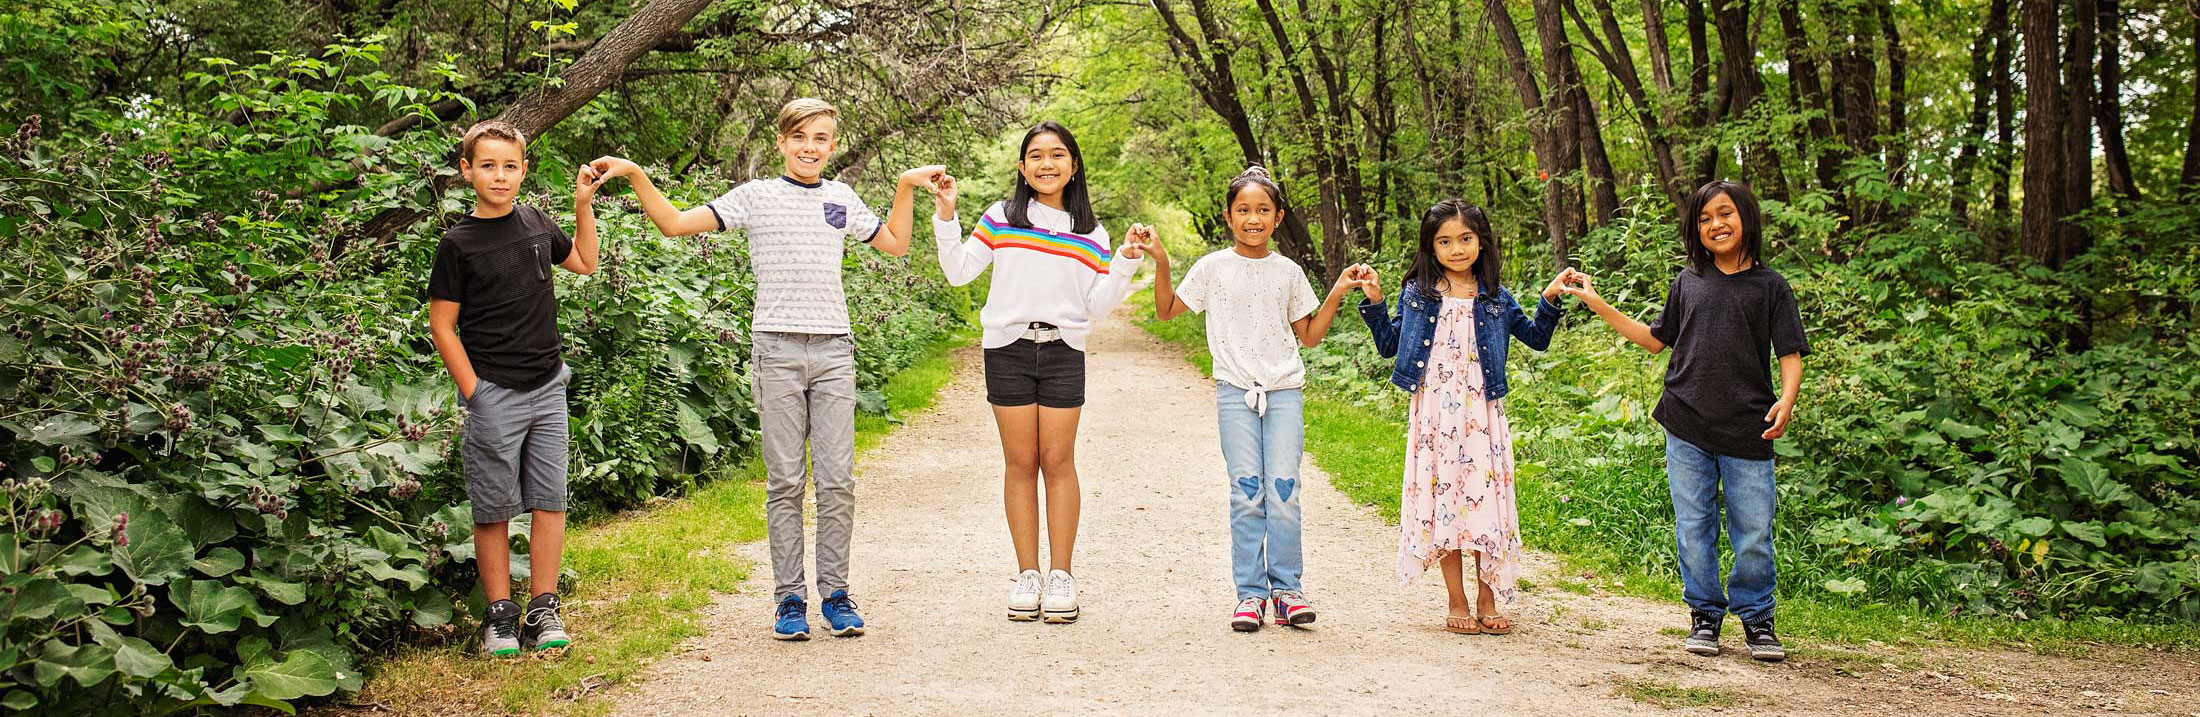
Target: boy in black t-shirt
[{"x": 495, "y": 320}]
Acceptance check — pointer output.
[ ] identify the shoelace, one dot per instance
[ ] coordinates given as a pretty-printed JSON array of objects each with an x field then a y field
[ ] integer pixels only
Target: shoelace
[
  {"x": 504, "y": 629},
  {"x": 1064, "y": 587},
  {"x": 1251, "y": 605},
  {"x": 845, "y": 603},
  {"x": 1030, "y": 583},
  {"x": 545, "y": 619},
  {"x": 1288, "y": 597},
  {"x": 787, "y": 609}
]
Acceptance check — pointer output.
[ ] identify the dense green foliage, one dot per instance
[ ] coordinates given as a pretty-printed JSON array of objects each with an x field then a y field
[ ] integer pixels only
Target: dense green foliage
[
  {"x": 203, "y": 328},
  {"x": 229, "y": 438}
]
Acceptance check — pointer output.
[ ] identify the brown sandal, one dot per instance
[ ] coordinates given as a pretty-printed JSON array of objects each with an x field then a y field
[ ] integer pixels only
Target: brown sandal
[
  {"x": 1461, "y": 624},
  {"x": 1483, "y": 622}
]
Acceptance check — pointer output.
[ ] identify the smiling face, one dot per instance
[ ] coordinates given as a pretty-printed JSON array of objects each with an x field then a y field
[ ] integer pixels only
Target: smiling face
[
  {"x": 1254, "y": 217},
  {"x": 808, "y": 146},
  {"x": 496, "y": 170},
  {"x": 1719, "y": 227},
  {"x": 1456, "y": 247},
  {"x": 1047, "y": 165}
]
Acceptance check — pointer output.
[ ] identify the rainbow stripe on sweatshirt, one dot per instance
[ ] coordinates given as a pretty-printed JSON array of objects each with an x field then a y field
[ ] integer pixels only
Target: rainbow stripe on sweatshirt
[{"x": 998, "y": 235}]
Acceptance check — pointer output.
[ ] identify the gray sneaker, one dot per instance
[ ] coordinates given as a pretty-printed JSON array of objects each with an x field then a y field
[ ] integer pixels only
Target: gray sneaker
[
  {"x": 1703, "y": 634},
  {"x": 1763, "y": 645},
  {"x": 500, "y": 629},
  {"x": 544, "y": 628}
]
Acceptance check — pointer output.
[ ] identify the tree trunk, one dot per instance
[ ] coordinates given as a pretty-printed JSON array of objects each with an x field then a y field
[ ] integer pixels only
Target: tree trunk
[
  {"x": 1809, "y": 91},
  {"x": 1740, "y": 86},
  {"x": 1618, "y": 59},
  {"x": 1561, "y": 207},
  {"x": 1336, "y": 234},
  {"x": 1207, "y": 68},
  {"x": 1580, "y": 143},
  {"x": 587, "y": 77},
  {"x": 2108, "y": 108},
  {"x": 1699, "y": 87},
  {"x": 2043, "y": 134},
  {"x": 2003, "y": 160},
  {"x": 1898, "y": 94},
  {"x": 2077, "y": 129},
  {"x": 2188, "y": 180},
  {"x": 1982, "y": 94}
]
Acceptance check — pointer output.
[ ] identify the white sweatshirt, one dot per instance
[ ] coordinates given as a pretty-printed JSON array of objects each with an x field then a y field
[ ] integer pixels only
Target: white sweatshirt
[{"x": 1046, "y": 272}]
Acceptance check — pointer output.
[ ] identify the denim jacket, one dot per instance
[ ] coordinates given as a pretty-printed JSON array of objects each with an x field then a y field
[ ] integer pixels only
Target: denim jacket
[{"x": 1408, "y": 334}]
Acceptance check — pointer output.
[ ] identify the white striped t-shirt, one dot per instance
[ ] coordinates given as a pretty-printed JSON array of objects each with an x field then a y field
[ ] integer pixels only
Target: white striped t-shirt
[{"x": 797, "y": 237}]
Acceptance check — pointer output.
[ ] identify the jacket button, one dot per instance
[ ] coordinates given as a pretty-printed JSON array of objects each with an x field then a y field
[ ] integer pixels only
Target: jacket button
[
  {"x": 1416, "y": 364},
  {"x": 1424, "y": 342}
]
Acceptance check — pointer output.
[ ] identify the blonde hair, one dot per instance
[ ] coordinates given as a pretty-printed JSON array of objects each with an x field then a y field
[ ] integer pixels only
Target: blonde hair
[
  {"x": 803, "y": 110},
  {"x": 494, "y": 129}
]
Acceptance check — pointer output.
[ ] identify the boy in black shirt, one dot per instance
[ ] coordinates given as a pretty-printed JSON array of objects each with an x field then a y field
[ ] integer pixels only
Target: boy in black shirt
[
  {"x": 1727, "y": 317},
  {"x": 494, "y": 316}
]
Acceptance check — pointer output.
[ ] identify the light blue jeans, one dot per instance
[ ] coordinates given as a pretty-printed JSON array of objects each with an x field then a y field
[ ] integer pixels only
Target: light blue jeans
[
  {"x": 1262, "y": 453},
  {"x": 1698, "y": 478}
]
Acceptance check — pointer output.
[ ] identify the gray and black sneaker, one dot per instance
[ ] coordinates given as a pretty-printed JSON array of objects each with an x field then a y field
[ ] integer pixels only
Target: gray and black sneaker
[
  {"x": 1703, "y": 633},
  {"x": 500, "y": 629},
  {"x": 1763, "y": 645},
  {"x": 544, "y": 627}
]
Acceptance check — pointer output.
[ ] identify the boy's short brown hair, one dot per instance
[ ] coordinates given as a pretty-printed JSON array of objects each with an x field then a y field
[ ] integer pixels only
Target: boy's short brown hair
[
  {"x": 803, "y": 110},
  {"x": 493, "y": 129}
]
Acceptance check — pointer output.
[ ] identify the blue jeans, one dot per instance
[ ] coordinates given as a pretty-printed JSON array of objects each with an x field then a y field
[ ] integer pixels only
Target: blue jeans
[
  {"x": 1262, "y": 453},
  {"x": 1698, "y": 478}
]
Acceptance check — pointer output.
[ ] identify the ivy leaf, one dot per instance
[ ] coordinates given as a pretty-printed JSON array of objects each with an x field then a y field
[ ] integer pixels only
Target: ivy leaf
[
  {"x": 1960, "y": 430},
  {"x": 2035, "y": 526},
  {"x": 38, "y": 597},
  {"x": 19, "y": 700},
  {"x": 138, "y": 658},
  {"x": 60, "y": 429},
  {"x": 412, "y": 576},
  {"x": 433, "y": 608}
]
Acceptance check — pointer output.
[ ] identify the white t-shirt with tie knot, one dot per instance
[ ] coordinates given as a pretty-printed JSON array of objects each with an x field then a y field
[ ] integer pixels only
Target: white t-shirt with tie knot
[{"x": 1250, "y": 305}]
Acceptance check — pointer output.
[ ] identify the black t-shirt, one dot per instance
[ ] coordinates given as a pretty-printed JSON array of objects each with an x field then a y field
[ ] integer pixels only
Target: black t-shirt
[
  {"x": 1724, "y": 330},
  {"x": 498, "y": 272}
]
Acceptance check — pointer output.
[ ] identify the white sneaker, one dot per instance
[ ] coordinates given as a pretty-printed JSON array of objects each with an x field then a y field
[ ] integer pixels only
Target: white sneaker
[
  {"x": 1060, "y": 603},
  {"x": 1023, "y": 600}
]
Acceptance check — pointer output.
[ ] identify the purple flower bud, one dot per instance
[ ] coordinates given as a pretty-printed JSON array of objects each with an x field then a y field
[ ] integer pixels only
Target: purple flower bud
[{"x": 1900, "y": 501}]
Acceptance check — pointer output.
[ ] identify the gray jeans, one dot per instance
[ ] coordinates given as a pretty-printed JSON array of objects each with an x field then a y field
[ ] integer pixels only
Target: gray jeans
[{"x": 806, "y": 397}]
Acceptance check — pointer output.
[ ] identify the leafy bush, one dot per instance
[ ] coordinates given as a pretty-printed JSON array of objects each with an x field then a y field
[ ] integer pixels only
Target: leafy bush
[{"x": 224, "y": 432}]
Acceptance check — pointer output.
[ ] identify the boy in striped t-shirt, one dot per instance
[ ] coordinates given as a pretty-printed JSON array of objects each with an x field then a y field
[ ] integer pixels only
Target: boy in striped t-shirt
[{"x": 804, "y": 358}]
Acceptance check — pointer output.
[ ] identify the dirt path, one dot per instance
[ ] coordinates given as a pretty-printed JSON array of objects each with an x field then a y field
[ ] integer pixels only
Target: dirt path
[{"x": 932, "y": 567}]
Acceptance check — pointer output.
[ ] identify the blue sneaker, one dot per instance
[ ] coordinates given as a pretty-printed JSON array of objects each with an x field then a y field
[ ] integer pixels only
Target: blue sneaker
[
  {"x": 840, "y": 612},
  {"x": 794, "y": 620}
]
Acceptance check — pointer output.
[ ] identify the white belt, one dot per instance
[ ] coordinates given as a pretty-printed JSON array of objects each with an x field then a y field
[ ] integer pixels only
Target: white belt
[{"x": 1042, "y": 332}]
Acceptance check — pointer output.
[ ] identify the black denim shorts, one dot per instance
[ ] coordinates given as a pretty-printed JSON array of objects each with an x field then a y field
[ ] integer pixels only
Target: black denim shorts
[{"x": 1050, "y": 374}]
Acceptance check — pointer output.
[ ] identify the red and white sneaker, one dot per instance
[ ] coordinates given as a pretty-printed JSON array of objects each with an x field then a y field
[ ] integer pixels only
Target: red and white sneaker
[
  {"x": 1247, "y": 618},
  {"x": 1292, "y": 608}
]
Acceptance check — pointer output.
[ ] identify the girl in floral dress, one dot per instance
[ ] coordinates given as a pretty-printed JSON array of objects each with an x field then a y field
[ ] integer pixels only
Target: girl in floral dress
[{"x": 1449, "y": 337}]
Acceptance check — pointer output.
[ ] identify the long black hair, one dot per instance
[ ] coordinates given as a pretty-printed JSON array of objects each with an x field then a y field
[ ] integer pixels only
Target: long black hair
[
  {"x": 1076, "y": 197},
  {"x": 1426, "y": 270},
  {"x": 1745, "y": 205}
]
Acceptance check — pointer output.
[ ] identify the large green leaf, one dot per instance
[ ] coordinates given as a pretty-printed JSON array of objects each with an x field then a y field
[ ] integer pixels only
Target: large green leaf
[
  {"x": 39, "y": 597},
  {"x": 219, "y": 562},
  {"x": 87, "y": 664},
  {"x": 2092, "y": 482},
  {"x": 158, "y": 551},
  {"x": 411, "y": 575},
  {"x": 285, "y": 592},
  {"x": 695, "y": 429},
  {"x": 216, "y": 608},
  {"x": 302, "y": 673}
]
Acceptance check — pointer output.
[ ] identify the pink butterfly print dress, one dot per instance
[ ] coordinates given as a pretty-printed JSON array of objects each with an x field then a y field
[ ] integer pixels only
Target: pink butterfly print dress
[{"x": 1458, "y": 492}]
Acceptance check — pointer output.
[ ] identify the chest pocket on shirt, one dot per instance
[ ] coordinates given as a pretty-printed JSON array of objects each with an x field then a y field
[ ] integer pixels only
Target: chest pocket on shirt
[
  {"x": 541, "y": 248},
  {"x": 836, "y": 215}
]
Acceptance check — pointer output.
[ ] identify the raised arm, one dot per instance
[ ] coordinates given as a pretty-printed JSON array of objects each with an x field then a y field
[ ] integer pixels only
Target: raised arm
[
  {"x": 670, "y": 220},
  {"x": 582, "y": 259},
  {"x": 1314, "y": 327},
  {"x": 901, "y": 219},
  {"x": 1584, "y": 288}
]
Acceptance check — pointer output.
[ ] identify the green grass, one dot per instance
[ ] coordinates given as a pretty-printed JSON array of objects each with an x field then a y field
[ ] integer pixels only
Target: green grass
[
  {"x": 1671, "y": 696},
  {"x": 1363, "y": 449},
  {"x": 640, "y": 579}
]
